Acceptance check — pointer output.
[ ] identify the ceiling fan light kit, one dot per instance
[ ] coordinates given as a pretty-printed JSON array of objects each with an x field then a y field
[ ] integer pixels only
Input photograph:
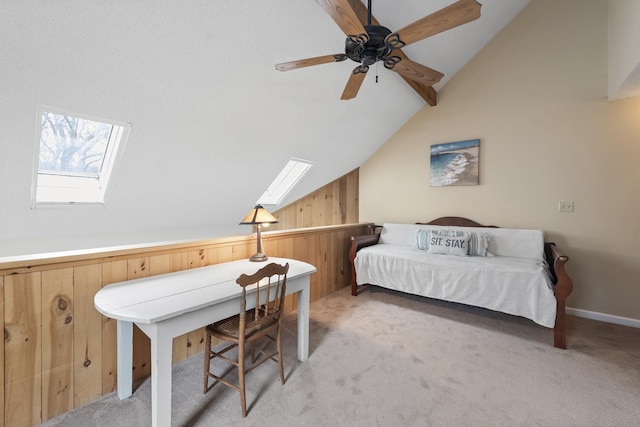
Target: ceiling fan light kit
[{"x": 368, "y": 42}]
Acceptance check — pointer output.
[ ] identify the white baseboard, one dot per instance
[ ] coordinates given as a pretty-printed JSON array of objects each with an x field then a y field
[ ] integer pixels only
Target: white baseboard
[{"x": 603, "y": 317}]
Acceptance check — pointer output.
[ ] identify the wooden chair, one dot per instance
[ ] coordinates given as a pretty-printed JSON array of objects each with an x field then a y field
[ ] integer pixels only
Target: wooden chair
[{"x": 262, "y": 321}]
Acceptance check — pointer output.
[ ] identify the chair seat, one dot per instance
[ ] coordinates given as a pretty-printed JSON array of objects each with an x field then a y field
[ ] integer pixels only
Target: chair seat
[{"x": 230, "y": 327}]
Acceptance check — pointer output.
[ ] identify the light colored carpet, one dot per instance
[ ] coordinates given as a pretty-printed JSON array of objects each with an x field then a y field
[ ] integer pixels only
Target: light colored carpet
[{"x": 389, "y": 359}]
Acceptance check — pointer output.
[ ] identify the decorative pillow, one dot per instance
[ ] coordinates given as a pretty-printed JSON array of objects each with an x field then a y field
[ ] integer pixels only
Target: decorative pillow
[
  {"x": 422, "y": 239},
  {"x": 423, "y": 236},
  {"x": 478, "y": 242},
  {"x": 441, "y": 243},
  {"x": 479, "y": 245}
]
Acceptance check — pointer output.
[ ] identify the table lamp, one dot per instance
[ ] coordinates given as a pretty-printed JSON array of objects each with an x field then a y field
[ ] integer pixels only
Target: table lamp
[{"x": 259, "y": 217}]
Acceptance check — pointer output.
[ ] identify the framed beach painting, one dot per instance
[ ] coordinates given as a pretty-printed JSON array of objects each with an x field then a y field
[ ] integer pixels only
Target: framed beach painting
[{"x": 455, "y": 163}]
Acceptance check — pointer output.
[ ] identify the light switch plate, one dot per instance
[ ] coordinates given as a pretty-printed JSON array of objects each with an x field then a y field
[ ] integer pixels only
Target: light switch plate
[{"x": 565, "y": 206}]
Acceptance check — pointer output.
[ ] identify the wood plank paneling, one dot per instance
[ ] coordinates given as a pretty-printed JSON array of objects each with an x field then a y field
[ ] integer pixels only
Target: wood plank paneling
[
  {"x": 87, "y": 353},
  {"x": 23, "y": 349},
  {"x": 225, "y": 254},
  {"x": 136, "y": 268},
  {"x": 284, "y": 249},
  {"x": 2, "y": 351},
  {"x": 335, "y": 203},
  {"x": 159, "y": 264},
  {"x": 352, "y": 201},
  {"x": 57, "y": 342},
  {"x": 242, "y": 251}
]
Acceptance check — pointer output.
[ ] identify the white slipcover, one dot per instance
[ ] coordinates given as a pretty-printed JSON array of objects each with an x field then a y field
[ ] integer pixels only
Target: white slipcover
[{"x": 518, "y": 284}]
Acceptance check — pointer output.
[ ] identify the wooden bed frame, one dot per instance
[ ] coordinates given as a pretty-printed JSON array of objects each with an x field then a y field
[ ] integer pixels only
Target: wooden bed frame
[{"x": 563, "y": 286}]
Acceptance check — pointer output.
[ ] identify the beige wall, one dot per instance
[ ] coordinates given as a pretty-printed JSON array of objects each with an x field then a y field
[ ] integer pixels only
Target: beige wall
[
  {"x": 535, "y": 96},
  {"x": 624, "y": 49}
]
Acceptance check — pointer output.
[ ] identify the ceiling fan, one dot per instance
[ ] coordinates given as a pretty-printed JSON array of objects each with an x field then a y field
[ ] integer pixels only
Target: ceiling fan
[{"x": 369, "y": 42}]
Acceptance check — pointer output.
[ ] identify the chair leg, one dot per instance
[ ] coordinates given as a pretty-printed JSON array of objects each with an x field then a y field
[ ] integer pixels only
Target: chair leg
[
  {"x": 207, "y": 362},
  {"x": 243, "y": 397},
  {"x": 280, "y": 361}
]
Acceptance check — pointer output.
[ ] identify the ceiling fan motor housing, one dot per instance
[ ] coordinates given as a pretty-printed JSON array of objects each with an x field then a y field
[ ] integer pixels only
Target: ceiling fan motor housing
[{"x": 373, "y": 49}]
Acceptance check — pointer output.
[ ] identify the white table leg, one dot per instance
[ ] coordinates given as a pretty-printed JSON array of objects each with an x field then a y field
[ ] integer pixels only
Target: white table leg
[
  {"x": 161, "y": 352},
  {"x": 125, "y": 358},
  {"x": 303, "y": 321}
]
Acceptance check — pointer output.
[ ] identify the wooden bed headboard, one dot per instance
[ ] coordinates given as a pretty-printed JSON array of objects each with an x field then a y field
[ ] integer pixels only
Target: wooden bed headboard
[{"x": 456, "y": 221}]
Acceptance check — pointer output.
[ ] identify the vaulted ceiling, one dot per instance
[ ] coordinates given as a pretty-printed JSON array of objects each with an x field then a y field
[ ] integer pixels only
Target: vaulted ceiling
[{"x": 213, "y": 121}]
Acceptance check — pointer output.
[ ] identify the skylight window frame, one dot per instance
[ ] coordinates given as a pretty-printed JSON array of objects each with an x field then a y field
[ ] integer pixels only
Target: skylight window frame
[
  {"x": 52, "y": 189},
  {"x": 285, "y": 181}
]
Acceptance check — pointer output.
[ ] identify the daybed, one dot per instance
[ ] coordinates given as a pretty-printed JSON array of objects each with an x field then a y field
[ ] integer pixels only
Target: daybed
[{"x": 513, "y": 271}]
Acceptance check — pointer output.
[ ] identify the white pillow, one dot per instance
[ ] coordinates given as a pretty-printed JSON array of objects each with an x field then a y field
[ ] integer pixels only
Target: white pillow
[
  {"x": 443, "y": 244},
  {"x": 479, "y": 245},
  {"x": 422, "y": 239},
  {"x": 478, "y": 242}
]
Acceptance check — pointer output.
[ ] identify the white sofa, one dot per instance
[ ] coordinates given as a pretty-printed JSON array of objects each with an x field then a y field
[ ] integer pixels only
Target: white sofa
[{"x": 508, "y": 270}]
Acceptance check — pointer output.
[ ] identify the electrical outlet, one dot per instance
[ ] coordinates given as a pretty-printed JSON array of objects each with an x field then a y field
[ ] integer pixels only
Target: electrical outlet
[{"x": 565, "y": 206}]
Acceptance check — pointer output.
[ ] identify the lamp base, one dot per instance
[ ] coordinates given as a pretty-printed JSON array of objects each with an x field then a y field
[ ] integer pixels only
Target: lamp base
[{"x": 259, "y": 257}]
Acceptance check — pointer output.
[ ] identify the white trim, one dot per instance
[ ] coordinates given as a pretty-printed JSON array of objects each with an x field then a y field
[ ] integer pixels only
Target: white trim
[{"x": 604, "y": 317}]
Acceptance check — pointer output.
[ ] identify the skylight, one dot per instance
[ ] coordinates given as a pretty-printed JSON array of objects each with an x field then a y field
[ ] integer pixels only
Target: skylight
[
  {"x": 76, "y": 156},
  {"x": 292, "y": 173}
]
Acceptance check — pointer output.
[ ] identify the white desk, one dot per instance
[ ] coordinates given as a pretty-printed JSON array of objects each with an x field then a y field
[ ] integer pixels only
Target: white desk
[{"x": 169, "y": 305}]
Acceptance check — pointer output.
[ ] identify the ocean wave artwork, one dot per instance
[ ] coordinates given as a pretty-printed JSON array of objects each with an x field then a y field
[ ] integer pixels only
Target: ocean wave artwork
[{"x": 455, "y": 163}]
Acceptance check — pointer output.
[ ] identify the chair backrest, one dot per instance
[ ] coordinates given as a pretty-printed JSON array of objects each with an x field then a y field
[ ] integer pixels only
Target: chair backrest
[{"x": 271, "y": 284}]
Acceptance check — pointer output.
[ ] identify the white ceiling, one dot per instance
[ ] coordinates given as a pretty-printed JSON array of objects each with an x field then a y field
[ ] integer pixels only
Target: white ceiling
[
  {"x": 306, "y": 101},
  {"x": 213, "y": 121}
]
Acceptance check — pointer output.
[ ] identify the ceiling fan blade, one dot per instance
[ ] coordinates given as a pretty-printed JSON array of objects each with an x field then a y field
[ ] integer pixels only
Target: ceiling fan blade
[
  {"x": 417, "y": 72},
  {"x": 360, "y": 9},
  {"x": 355, "y": 81},
  {"x": 300, "y": 63},
  {"x": 343, "y": 14},
  {"x": 427, "y": 93},
  {"x": 449, "y": 17}
]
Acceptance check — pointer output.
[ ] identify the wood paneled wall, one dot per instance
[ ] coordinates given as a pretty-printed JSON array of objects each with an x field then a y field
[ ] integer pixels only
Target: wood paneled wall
[
  {"x": 60, "y": 353},
  {"x": 335, "y": 203}
]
